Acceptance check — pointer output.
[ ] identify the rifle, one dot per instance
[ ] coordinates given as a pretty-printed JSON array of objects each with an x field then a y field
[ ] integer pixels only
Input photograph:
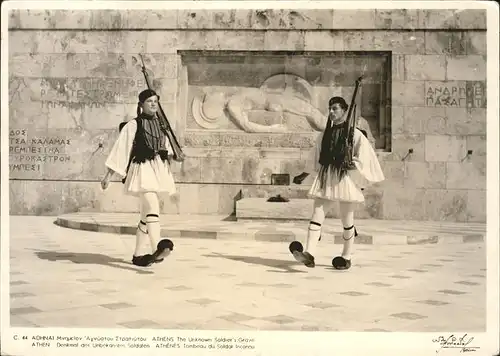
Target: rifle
[
  {"x": 351, "y": 126},
  {"x": 178, "y": 155}
]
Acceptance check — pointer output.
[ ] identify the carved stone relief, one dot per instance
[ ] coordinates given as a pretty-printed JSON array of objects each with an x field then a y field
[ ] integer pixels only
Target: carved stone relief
[
  {"x": 281, "y": 93},
  {"x": 280, "y": 97}
]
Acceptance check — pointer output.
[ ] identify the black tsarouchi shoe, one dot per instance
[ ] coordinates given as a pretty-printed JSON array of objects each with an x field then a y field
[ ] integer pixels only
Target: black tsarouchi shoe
[
  {"x": 298, "y": 253},
  {"x": 143, "y": 261}
]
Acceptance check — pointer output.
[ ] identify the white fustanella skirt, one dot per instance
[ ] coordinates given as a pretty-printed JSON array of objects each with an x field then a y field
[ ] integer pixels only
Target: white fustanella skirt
[
  {"x": 336, "y": 189},
  {"x": 150, "y": 176},
  {"x": 348, "y": 189}
]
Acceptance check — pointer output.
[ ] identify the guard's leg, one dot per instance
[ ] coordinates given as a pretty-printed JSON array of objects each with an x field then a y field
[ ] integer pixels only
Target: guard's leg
[
  {"x": 141, "y": 238},
  {"x": 142, "y": 230},
  {"x": 313, "y": 235},
  {"x": 152, "y": 216},
  {"x": 163, "y": 247},
  {"x": 349, "y": 233}
]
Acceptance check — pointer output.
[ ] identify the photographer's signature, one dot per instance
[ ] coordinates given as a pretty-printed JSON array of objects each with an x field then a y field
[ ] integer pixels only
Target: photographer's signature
[{"x": 455, "y": 342}]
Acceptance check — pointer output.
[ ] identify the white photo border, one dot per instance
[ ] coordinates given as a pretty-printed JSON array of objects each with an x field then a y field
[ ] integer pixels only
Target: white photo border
[{"x": 272, "y": 343}]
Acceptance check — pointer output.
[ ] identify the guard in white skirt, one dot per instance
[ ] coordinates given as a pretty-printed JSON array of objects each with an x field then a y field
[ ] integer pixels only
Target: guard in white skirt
[
  {"x": 141, "y": 157},
  {"x": 333, "y": 183}
]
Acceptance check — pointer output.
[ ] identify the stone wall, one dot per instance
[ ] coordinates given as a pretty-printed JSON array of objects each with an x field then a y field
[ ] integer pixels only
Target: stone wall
[{"x": 74, "y": 76}]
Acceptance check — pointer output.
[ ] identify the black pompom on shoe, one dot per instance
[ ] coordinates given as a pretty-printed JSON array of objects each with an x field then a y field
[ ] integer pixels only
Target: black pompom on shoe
[
  {"x": 296, "y": 246},
  {"x": 166, "y": 244},
  {"x": 163, "y": 249},
  {"x": 341, "y": 263},
  {"x": 143, "y": 261}
]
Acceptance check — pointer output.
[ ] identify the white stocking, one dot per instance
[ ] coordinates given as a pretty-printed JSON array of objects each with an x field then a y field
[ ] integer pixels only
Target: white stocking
[
  {"x": 152, "y": 210},
  {"x": 141, "y": 236},
  {"x": 315, "y": 225},
  {"x": 347, "y": 218}
]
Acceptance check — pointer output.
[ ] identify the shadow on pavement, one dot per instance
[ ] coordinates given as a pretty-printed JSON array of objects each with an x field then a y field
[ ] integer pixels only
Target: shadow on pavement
[
  {"x": 282, "y": 266},
  {"x": 88, "y": 259}
]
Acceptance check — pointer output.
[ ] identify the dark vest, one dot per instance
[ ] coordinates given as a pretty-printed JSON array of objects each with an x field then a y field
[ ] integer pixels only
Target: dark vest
[{"x": 140, "y": 150}]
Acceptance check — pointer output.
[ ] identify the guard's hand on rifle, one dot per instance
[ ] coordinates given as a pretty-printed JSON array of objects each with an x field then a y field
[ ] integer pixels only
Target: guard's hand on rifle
[
  {"x": 351, "y": 166},
  {"x": 300, "y": 178}
]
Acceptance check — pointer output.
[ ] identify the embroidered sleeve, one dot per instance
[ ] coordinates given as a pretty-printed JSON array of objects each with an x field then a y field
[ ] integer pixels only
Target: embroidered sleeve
[
  {"x": 364, "y": 127},
  {"x": 120, "y": 152}
]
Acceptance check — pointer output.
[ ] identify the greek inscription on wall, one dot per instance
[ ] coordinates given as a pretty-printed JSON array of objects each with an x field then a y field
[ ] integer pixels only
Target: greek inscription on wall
[
  {"x": 461, "y": 95},
  {"x": 30, "y": 153},
  {"x": 443, "y": 94},
  {"x": 476, "y": 94},
  {"x": 79, "y": 93}
]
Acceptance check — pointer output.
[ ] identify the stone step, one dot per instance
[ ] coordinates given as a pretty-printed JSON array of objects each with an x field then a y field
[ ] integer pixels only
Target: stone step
[{"x": 224, "y": 227}]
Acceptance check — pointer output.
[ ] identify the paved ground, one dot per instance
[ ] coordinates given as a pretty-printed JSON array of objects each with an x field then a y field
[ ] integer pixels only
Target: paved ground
[
  {"x": 220, "y": 227},
  {"x": 63, "y": 277}
]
